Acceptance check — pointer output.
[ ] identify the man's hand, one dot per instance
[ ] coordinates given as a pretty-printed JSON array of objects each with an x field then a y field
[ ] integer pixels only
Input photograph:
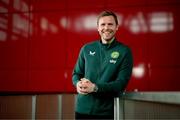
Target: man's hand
[
  {"x": 85, "y": 86},
  {"x": 81, "y": 88}
]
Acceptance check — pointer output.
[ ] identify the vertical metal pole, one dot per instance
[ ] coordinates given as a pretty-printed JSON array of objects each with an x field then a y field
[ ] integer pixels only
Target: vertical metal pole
[
  {"x": 117, "y": 100},
  {"x": 34, "y": 107},
  {"x": 60, "y": 107},
  {"x": 118, "y": 109}
]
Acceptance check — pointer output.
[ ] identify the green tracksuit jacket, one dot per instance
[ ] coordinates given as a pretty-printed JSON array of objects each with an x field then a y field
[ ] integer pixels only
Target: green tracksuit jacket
[{"x": 109, "y": 66}]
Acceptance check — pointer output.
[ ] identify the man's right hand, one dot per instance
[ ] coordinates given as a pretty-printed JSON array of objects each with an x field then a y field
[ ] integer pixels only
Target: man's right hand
[
  {"x": 85, "y": 86},
  {"x": 81, "y": 88}
]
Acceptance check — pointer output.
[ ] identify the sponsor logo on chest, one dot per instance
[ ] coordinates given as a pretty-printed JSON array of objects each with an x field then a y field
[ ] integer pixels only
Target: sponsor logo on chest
[{"x": 114, "y": 56}]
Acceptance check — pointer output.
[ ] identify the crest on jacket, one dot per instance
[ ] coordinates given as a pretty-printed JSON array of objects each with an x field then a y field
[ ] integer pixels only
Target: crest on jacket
[{"x": 114, "y": 54}]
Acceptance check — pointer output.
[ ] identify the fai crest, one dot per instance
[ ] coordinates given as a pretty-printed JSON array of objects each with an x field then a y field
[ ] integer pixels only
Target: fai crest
[{"x": 114, "y": 54}]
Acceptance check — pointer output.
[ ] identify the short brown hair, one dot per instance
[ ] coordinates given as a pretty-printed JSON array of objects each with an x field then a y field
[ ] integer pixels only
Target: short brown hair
[{"x": 107, "y": 13}]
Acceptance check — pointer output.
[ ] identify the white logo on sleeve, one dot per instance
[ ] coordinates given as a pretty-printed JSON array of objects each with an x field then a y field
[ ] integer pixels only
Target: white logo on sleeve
[{"x": 92, "y": 53}]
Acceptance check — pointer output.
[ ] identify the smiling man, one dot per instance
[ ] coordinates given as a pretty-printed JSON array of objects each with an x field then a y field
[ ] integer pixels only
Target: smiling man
[{"x": 102, "y": 71}]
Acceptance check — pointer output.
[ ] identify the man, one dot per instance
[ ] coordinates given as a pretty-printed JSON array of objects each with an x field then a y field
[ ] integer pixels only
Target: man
[{"x": 102, "y": 71}]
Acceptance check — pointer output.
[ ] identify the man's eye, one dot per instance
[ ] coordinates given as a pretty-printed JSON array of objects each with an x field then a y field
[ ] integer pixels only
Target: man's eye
[{"x": 110, "y": 24}]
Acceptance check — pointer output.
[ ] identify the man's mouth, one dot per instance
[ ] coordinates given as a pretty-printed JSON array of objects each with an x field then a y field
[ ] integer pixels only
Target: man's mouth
[{"x": 107, "y": 32}]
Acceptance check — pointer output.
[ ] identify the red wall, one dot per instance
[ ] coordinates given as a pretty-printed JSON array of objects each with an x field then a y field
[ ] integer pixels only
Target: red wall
[{"x": 40, "y": 41}]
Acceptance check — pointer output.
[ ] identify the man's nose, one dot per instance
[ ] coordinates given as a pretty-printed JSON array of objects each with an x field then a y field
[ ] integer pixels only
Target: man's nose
[{"x": 106, "y": 27}]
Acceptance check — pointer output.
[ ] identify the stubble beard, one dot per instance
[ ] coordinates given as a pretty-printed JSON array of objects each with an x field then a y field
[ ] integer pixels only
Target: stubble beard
[{"x": 107, "y": 36}]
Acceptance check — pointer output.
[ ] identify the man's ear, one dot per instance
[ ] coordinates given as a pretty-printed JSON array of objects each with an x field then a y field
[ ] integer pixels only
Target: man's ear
[
  {"x": 117, "y": 27},
  {"x": 97, "y": 28}
]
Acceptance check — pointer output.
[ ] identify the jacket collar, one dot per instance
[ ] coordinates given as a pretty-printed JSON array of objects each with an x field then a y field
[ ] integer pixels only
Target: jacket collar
[{"x": 107, "y": 46}]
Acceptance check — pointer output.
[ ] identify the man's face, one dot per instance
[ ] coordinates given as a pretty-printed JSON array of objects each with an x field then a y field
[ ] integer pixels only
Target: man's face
[{"x": 107, "y": 28}]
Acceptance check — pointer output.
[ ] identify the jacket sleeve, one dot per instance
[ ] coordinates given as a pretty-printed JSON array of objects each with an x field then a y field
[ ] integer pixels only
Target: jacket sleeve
[
  {"x": 78, "y": 71},
  {"x": 123, "y": 76}
]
